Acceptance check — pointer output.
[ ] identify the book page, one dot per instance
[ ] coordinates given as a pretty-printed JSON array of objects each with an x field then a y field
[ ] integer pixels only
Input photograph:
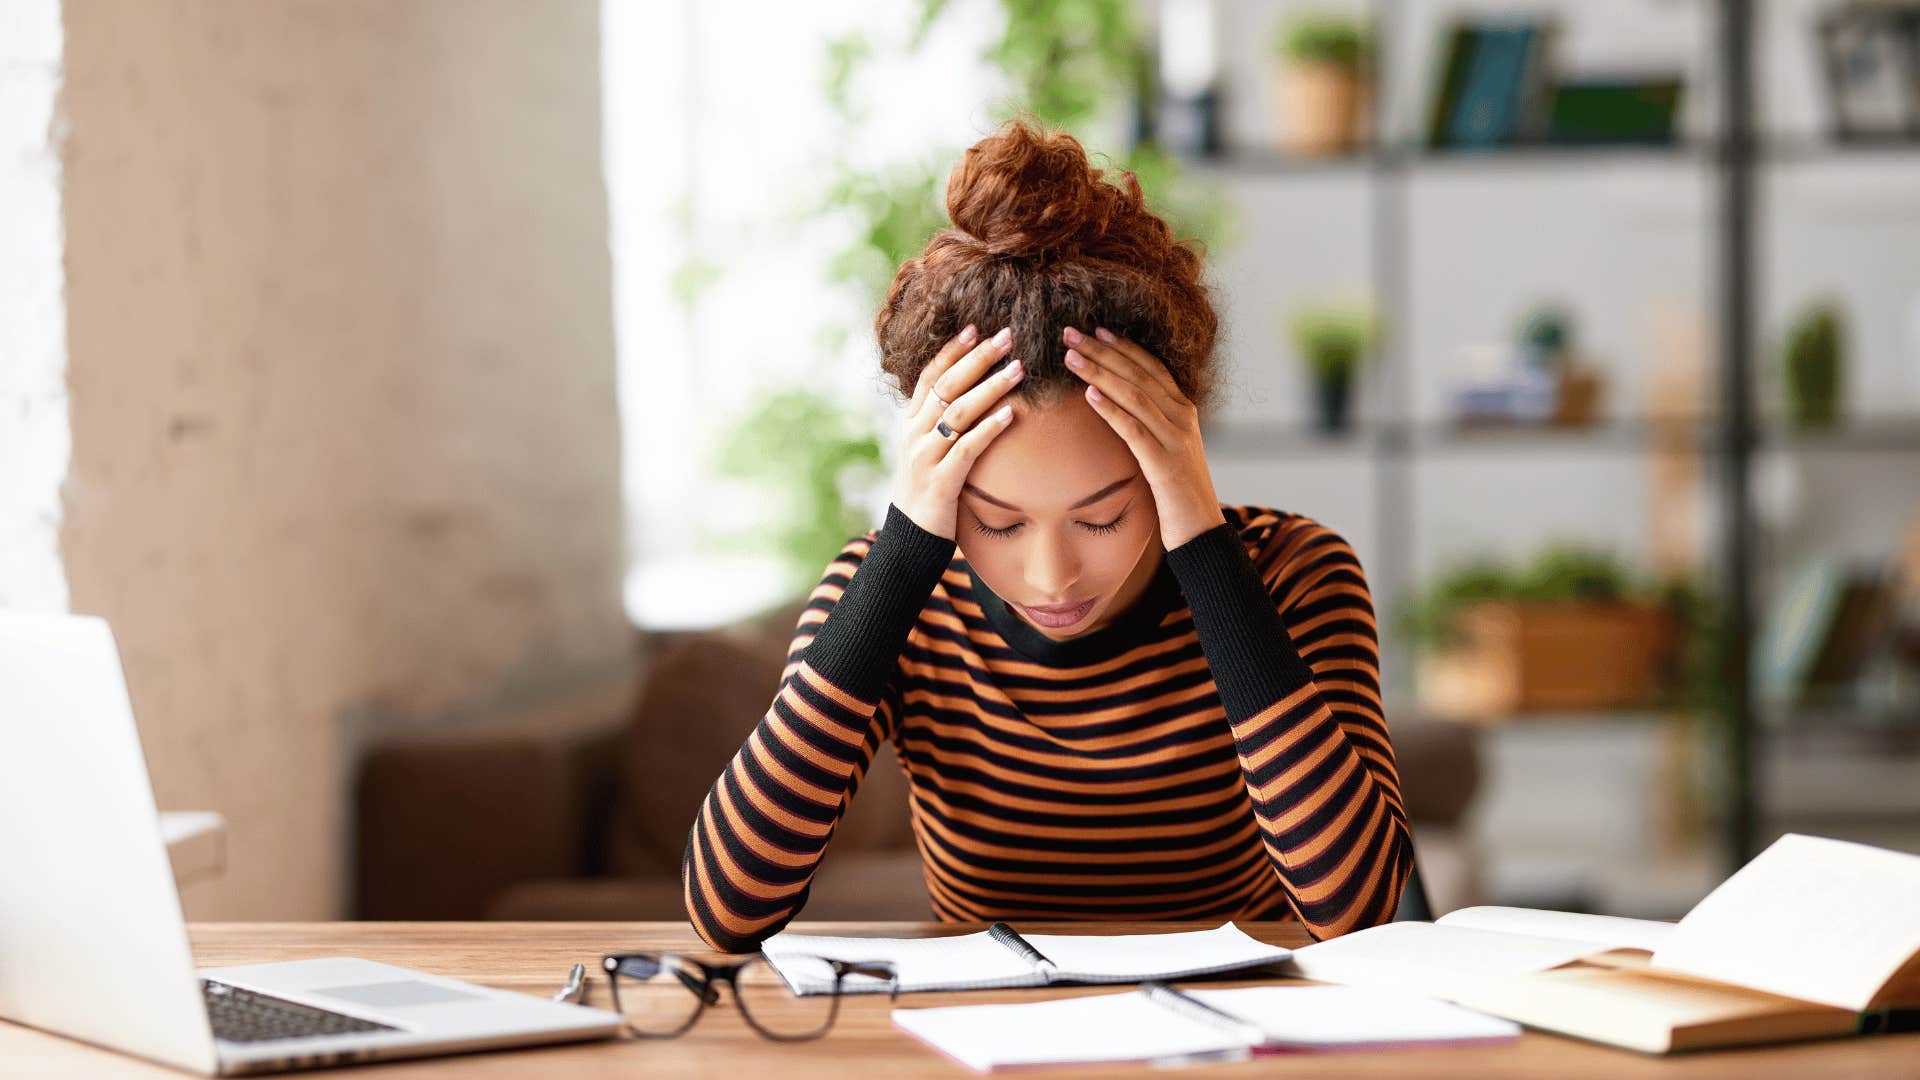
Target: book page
[
  {"x": 1431, "y": 958},
  {"x": 1100, "y": 1028},
  {"x": 1811, "y": 918},
  {"x": 1608, "y": 930},
  {"x": 1350, "y": 1017},
  {"x": 1094, "y": 957},
  {"x": 921, "y": 963}
]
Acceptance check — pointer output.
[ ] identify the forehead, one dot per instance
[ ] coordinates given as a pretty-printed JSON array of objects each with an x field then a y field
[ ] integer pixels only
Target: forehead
[{"x": 1052, "y": 456}]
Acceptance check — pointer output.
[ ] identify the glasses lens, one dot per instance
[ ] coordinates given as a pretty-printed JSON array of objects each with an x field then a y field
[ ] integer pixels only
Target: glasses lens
[
  {"x": 659, "y": 992},
  {"x": 778, "y": 1011}
]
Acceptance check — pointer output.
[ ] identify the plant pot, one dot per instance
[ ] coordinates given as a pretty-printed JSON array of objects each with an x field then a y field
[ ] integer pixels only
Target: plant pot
[
  {"x": 1538, "y": 655},
  {"x": 1813, "y": 390},
  {"x": 1331, "y": 396},
  {"x": 1319, "y": 108}
]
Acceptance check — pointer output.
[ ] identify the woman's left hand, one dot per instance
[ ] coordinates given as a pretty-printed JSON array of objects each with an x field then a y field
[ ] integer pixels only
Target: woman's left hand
[{"x": 1133, "y": 392}]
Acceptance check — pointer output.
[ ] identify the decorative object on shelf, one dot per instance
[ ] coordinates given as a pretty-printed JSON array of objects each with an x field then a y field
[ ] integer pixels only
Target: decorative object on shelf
[
  {"x": 1322, "y": 83},
  {"x": 1333, "y": 341},
  {"x": 1871, "y": 56},
  {"x": 1814, "y": 362},
  {"x": 1491, "y": 85},
  {"x": 1819, "y": 635},
  {"x": 1541, "y": 381},
  {"x": 1188, "y": 123},
  {"x": 1614, "y": 111},
  {"x": 1574, "y": 629}
]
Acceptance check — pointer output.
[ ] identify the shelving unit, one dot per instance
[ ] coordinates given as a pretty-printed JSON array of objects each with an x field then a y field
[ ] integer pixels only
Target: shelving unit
[{"x": 1730, "y": 438}]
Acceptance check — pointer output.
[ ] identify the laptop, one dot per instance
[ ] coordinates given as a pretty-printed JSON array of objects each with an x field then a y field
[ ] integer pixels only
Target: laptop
[{"x": 92, "y": 942}]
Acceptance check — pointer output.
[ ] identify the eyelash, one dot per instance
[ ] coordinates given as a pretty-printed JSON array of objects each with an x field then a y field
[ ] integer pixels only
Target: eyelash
[{"x": 1109, "y": 527}]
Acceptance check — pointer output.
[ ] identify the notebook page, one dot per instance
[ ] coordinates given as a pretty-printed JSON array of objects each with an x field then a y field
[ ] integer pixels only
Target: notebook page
[
  {"x": 1100, "y": 1028},
  {"x": 1124, "y": 957},
  {"x": 921, "y": 963},
  {"x": 1352, "y": 1017},
  {"x": 1811, "y": 918},
  {"x": 1430, "y": 958},
  {"x": 1608, "y": 930}
]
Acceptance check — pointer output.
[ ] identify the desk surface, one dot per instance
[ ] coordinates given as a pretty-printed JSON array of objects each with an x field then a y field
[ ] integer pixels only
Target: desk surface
[{"x": 534, "y": 958}]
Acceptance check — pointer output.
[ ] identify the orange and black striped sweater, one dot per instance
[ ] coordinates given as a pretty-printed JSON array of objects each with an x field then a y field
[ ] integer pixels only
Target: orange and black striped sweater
[{"x": 1217, "y": 750}]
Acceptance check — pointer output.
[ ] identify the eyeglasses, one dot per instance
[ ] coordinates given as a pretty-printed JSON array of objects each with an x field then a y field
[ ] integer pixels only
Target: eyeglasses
[{"x": 662, "y": 994}]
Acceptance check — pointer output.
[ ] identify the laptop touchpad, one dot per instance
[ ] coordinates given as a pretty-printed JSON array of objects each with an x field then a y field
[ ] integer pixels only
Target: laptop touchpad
[{"x": 400, "y": 994}]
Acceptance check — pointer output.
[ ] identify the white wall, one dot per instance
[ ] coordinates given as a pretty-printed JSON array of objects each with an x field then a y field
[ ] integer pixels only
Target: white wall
[
  {"x": 346, "y": 452},
  {"x": 34, "y": 437}
]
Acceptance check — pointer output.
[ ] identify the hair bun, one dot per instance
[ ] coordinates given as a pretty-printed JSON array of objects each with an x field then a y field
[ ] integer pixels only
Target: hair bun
[{"x": 1024, "y": 192}]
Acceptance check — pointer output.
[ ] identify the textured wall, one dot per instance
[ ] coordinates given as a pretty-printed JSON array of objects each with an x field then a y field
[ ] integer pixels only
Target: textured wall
[
  {"x": 33, "y": 325},
  {"x": 341, "y": 363}
]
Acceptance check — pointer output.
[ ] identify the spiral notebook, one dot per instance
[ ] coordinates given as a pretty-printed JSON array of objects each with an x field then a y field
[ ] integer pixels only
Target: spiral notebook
[{"x": 1000, "y": 957}]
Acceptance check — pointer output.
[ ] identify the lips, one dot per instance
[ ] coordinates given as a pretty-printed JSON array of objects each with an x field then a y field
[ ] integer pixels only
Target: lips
[{"x": 1060, "y": 617}]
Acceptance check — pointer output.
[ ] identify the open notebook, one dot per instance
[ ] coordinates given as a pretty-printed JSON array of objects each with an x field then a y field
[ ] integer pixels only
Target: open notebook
[
  {"x": 1813, "y": 938},
  {"x": 999, "y": 957},
  {"x": 1159, "y": 1023}
]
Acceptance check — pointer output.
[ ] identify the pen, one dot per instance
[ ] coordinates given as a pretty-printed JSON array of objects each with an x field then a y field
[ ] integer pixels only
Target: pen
[{"x": 1194, "y": 1009}]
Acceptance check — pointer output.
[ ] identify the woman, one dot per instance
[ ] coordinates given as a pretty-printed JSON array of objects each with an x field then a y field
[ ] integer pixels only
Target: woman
[{"x": 1113, "y": 697}]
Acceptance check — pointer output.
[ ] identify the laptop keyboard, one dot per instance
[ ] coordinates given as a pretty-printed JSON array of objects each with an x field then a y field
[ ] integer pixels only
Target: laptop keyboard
[{"x": 243, "y": 1016}]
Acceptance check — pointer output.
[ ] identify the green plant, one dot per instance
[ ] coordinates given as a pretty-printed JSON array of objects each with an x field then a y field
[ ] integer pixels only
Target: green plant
[
  {"x": 1571, "y": 572},
  {"x": 1545, "y": 334},
  {"x": 1813, "y": 363},
  {"x": 802, "y": 447},
  {"x": 1324, "y": 38},
  {"x": 1334, "y": 339}
]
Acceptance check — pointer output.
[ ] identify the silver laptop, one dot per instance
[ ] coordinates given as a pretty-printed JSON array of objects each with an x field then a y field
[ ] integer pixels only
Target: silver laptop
[{"x": 92, "y": 942}]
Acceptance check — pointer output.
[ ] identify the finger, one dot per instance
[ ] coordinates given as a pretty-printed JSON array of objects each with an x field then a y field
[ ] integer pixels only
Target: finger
[
  {"x": 956, "y": 347},
  {"x": 1142, "y": 402},
  {"x": 1138, "y": 435},
  {"x": 953, "y": 469},
  {"x": 1119, "y": 353},
  {"x": 979, "y": 401},
  {"x": 966, "y": 371}
]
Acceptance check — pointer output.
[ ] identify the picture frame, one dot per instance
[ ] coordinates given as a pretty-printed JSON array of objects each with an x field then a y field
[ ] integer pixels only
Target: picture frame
[
  {"x": 1491, "y": 82},
  {"x": 1870, "y": 55}
]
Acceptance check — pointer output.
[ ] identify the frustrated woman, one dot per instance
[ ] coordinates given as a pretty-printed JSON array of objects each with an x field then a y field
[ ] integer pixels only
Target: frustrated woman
[{"x": 1113, "y": 696}]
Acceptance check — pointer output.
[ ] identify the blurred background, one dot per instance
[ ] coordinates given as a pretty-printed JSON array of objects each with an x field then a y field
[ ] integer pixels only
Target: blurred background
[{"x": 450, "y": 403}]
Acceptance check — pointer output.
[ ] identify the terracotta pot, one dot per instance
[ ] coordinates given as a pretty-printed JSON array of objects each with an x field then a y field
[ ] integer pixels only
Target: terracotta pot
[{"x": 1320, "y": 108}]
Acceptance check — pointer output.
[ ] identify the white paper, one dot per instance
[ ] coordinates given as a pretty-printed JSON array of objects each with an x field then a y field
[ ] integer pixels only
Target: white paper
[
  {"x": 1430, "y": 958},
  {"x": 1106, "y": 1027},
  {"x": 1608, "y": 930},
  {"x": 1152, "y": 956},
  {"x": 1351, "y": 1017},
  {"x": 1811, "y": 918},
  {"x": 919, "y": 962}
]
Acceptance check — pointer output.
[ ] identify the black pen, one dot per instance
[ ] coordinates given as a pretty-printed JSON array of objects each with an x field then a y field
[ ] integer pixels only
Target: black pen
[{"x": 1008, "y": 936}]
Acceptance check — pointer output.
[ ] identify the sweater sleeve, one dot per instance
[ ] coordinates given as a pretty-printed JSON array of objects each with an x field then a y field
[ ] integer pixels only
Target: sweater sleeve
[
  {"x": 1293, "y": 649},
  {"x": 764, "y": 825}
]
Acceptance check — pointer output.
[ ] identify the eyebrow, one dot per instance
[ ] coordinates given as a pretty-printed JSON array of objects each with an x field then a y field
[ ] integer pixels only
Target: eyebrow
[{"x": 1088, "y": 501}]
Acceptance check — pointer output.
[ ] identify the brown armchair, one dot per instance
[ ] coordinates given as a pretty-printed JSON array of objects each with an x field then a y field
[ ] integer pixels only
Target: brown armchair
[{"x": 581, "y": 809}]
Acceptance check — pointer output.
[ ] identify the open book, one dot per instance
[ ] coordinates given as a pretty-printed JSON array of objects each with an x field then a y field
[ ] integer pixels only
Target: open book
[
  {"x": 1159, "y": 1023},
  {"x": 1813, "y": 938},
  {"x": 999, "y": 957}
]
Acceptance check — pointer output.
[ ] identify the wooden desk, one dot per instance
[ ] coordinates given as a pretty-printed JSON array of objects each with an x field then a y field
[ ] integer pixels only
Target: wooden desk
[{"x": 534, "y": 958}]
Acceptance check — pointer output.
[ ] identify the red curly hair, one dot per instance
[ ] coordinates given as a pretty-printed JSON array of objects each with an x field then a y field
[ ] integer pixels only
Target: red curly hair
[{"x": 1042, "y": 240}]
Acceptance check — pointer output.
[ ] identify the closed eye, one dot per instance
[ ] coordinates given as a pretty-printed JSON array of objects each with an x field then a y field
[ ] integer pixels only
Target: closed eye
[{"x": 1100, "y": 530}]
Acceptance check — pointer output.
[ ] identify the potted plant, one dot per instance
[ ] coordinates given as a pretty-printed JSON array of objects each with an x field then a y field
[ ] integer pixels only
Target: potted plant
[
  {"x": 1572, "y": 629},
  {"x": 1321, "y": 82},
  {"x": 1333, "y": 340},
  {"x": 1814, "y": 357}
]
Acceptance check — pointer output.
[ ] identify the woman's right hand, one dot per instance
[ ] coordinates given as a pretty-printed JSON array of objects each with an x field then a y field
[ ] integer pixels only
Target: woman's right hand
[{"x": 926, "y": 486}]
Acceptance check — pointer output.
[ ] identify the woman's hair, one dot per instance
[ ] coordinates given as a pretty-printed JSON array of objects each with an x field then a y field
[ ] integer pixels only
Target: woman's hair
[{"x": 1042, "y": 240}]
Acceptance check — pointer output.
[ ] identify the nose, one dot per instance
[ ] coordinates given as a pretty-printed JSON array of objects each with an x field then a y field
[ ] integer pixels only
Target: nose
[{"x": 1052, "y": 569}]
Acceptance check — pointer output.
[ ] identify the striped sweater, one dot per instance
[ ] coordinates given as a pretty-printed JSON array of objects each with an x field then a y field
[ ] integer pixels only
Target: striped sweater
[{"x": 1217, "y": 750}]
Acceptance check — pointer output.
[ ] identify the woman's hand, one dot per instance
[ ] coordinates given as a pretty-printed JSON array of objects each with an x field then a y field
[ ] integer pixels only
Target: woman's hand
[
  {"x": 1133, "y": 392},
  {"x": 926, "y": 486}
]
